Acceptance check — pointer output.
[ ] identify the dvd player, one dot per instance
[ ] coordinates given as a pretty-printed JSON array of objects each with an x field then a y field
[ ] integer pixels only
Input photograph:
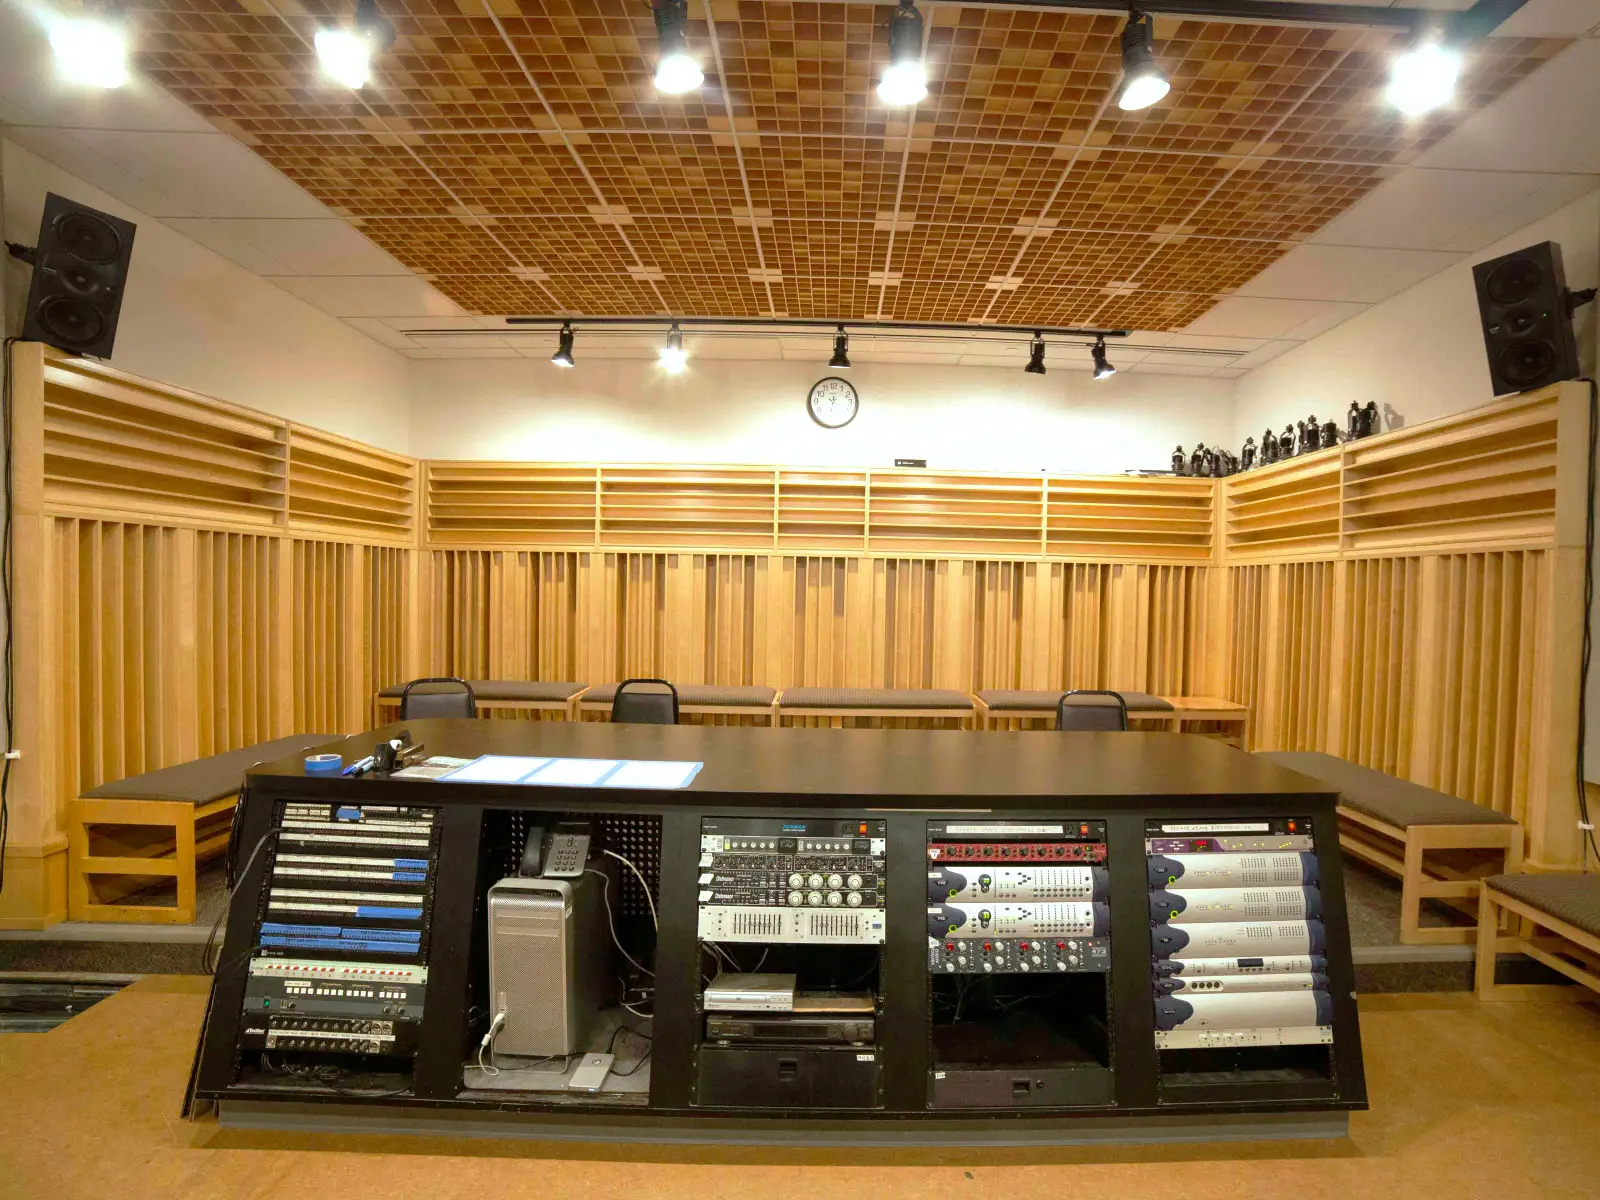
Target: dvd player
[{"x": 791, "y": 1027}]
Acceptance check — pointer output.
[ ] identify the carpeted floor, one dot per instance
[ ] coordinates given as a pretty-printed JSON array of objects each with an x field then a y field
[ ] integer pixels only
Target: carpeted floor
[{"x": 1469, "y": 1100}]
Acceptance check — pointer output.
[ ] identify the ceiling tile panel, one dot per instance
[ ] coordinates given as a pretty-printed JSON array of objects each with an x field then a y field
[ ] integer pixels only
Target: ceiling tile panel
[
  {"x": 1281, "y": 200},
  {"x": 1124, "y": 191},
  {"x": 822, "y": 178}
]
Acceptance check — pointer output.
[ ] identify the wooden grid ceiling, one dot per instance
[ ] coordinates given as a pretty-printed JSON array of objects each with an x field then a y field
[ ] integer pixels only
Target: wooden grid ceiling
[{"x": 517, "y": 154}]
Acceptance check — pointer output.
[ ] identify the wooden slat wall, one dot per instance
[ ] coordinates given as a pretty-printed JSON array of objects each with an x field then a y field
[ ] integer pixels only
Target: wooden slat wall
[
  {"x": 817, "y": 509},
  {"x": 789, "y": 621}
]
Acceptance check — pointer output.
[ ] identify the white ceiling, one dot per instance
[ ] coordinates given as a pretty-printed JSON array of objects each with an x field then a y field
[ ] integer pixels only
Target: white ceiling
[{"x": 1531, "y": 152}]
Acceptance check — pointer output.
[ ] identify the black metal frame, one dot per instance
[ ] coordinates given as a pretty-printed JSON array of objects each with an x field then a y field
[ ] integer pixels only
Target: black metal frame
[
  {"x": 472, "y": 699},
  {"x": 1062, "y": 705},
  {"x": 626, "y": 683},
  {"x": 437, "y": 1081}
]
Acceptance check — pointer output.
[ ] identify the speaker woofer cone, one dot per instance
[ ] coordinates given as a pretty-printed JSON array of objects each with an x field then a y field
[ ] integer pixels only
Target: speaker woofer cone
[
  {"x": 88, "y": 237},
  {"x": 1526, "y": 360},
  {"x": 81, "y": 280},
  {"x": 1514, "y": 281},
  {"x": 72, "y": 321}
]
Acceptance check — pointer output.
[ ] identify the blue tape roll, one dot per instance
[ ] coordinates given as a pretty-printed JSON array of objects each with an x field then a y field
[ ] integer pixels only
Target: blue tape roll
[{"x": 324, "y": 764}]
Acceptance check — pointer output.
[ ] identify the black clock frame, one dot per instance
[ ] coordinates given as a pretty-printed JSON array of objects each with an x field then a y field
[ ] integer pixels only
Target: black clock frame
[{"x": 812, "y": 413}]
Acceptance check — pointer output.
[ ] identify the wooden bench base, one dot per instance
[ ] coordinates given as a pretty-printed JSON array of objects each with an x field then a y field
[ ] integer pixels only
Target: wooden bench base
[
  {"x": 1563, "y": 948},
  {"x": 182, "y": 836},
  {"x": 1403, "y": 853}
]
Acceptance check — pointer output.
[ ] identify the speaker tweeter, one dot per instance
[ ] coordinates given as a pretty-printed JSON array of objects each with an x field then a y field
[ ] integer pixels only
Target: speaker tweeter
[{"x": 80, "y": 268}]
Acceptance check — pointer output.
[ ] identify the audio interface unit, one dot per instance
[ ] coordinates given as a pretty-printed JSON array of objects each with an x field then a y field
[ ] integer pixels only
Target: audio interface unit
[{"x": 806, "y": 880}]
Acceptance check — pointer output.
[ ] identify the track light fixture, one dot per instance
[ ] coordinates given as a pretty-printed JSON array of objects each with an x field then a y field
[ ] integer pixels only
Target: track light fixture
[
  {"x": 673, "y": 356},
  {"x": 1423, "y": 78},
  {"x": 563, "y": 355},
  {"x": 906, "y": 79},
  {"x": 1142, "y": 80},
  {"x": 841, "y": 351},
  {"x": 91, "y": 51},
  {"x": 676, "y": 72},
  {"x": 1102, "y": 368},
  {"x": 1035, "y": 355},
  {"x": 346, "y": 54}
]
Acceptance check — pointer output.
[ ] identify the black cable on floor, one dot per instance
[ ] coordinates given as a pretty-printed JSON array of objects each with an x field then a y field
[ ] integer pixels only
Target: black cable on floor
[
  {"x": 9, "y": 703},
  {"x": 1588, "y": 606}
]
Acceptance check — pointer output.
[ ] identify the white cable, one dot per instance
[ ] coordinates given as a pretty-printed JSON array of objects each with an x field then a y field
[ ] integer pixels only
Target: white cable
[
  {"x": 611, "y": 920},
  {"x": 648, "y": 899},
  {"x": 488, "y": 1068},
  {"x": 635, "y": 1011}
]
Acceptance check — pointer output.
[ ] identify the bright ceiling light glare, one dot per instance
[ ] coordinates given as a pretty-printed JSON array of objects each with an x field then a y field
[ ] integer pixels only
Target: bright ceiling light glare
[
  {"x": 1035, "y": 356},
  {"x": 563, "y": 355},
  {"x": 905, "y": 82},
  {"x": 1142, "y": 80},
  {"x": 1423, "y": 79},
  {"x": 346, "y": 54},
  {"x": 89, "y": 51},
  {"x": 1102, "y": 368},
  {"x": 674, "y": 358},
  {"x": 676, "y": 72},
  {"x": 841, "y": 351}
]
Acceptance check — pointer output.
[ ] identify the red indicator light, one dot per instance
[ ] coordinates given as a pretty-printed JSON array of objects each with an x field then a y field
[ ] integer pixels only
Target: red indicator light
[
  {"x": 1083, "y": 829},
  {"x": 949, "y": 945},
  {"x": 986, "y": 947}
]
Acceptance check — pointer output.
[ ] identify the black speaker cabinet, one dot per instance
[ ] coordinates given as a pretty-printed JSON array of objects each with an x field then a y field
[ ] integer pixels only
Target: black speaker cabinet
[
  {"x": 1527, "y": 320},
  {"x": 79, "y": 268}
]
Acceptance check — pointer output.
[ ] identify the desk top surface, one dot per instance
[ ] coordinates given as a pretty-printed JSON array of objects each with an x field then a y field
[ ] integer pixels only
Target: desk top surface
[{"x": 857, "y": 763}]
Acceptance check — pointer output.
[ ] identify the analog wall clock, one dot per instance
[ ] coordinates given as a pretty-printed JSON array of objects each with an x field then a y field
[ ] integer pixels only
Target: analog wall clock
[{"x": 833, "y": 402}]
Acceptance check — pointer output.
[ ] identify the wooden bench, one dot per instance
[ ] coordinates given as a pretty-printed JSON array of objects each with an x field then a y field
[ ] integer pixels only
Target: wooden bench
[
  {"x": 1000, "y": 708},
  {"x": 159, "y": 825},
  {"x": 840, "y": 704},
  {"x": 1559, "y": 920},
  {"x": 494, "y": 695},
  {"x": 696, "y": 699},
  {"x": 1396, "y": 825}
]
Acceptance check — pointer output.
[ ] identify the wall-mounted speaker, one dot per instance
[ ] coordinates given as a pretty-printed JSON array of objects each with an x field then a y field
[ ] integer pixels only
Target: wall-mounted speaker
[
  {"x": 1527, "y": 319},
  {"x": 79, "y": 269}
]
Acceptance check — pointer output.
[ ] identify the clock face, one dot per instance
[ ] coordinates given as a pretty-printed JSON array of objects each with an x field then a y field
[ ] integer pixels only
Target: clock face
[{"x": 833, "y": 402}]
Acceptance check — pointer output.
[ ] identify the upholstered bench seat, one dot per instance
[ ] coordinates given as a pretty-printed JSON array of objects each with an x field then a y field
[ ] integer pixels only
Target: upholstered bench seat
[
  {"x": 178, "y": 816},
  {"x": 1397, "y": 802},
  {"x": 1395, "y": 824},
  {"x": 697, "y": 695},
  {"x": 491, "y": 690},
  {"x": 1001, "y": 700},
  {"x": 1555, "y": 920},
  {"x": 875, "y": 698}
]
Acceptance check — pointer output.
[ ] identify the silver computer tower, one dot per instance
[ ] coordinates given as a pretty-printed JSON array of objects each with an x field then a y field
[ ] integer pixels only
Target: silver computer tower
[{"x": 548, "y": 949}]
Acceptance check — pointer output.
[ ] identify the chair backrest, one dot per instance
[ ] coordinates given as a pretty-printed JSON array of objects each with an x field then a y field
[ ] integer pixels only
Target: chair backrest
[
  {"x": 442, "y": 696},
  {"x": 1108, "y": 713},
  {"x": 633, "y": 704}
]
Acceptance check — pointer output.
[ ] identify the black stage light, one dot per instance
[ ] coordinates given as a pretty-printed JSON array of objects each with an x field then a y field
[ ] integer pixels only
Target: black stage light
[
  {"x": 841, "y": 351},
  {"x": 1143, "y": 82},
  {"x": 1526, "y": 311},
  {"x": 1102, "y": 369},
  {"x": 1035, "y": 355},
  {"x": 563, "y": 355},
  {"x": 80, "y": 268},
  {"x": 676, "y": 70}
]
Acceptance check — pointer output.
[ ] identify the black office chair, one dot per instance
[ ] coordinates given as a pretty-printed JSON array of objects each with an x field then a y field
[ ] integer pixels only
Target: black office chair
[
  {"x": 645, "y": 708},
  {"x": 1102, "y": 715},
  {"x": 456, "y": 700}
]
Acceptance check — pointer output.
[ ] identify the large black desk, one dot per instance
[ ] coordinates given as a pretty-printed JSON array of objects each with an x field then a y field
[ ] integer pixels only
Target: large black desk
[{"x": 1121, "y": 783}]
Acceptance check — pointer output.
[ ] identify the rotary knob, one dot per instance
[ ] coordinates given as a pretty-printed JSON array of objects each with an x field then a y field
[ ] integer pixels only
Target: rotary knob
[
  {"x": 797, "y": 880},
  {"x": 1021, "y": 966},
  {"x": 853, "y": 899},
  {"x": 796, "y": 899},
  {"x": 854, "y": 883},
  {"x": 835, "y": 899},
  {"x": 815, "y": 881},
  {"x": 836, "y": 881},
  {"x": 814, "y": 898}
]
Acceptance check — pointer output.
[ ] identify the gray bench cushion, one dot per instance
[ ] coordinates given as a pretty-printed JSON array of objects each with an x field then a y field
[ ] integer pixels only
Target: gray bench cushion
[
  {"x": 1003, "y": 700},
  {"x": 1395, "y": 801},
  {"x": 1574, "y": 899},
  {"x": 497, "y": 689},
  {"x": 697, "y": 693},
  {"x": 869, "y": 698},
  {"x": 207, "y": 779}
]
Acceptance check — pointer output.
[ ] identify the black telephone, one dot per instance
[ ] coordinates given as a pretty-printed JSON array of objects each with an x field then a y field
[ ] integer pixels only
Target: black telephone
[{"x": 562, "y": 854}]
